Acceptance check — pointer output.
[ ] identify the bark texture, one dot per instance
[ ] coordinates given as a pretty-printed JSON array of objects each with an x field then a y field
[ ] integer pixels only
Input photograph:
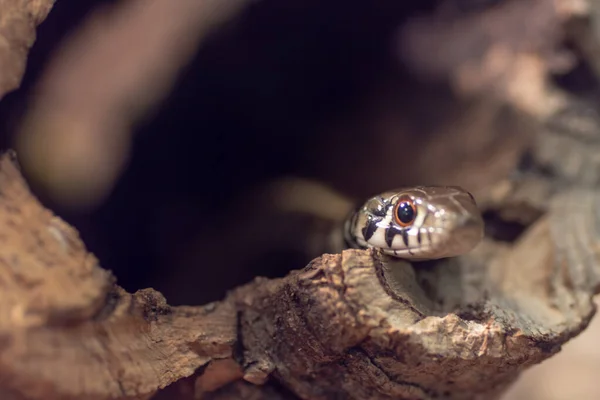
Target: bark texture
[
  {"x": 18, "y": 20},
  {"x": 68, "y": 332},
  {"x": 352, "y": 325}
]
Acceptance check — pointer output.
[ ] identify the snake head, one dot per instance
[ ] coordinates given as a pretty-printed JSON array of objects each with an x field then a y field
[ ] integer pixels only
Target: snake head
[{"x": 425, "y": 222}]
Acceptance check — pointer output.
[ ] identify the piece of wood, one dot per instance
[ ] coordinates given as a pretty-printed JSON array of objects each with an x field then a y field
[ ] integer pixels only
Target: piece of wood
[
  {"x": 359, "y": 326},
  {"x": 18, "y": 21},
  {"x": 67, "y": 331},
  {"x": 352, "y": 325}
]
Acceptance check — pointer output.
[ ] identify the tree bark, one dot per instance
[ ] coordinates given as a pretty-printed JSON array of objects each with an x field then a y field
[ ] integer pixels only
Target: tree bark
[
  {"x": 18, "y": 21},
  {"x": 352, "y": 325}
]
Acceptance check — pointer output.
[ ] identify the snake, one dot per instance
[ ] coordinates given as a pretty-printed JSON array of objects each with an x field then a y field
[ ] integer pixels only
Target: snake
[
  {"x": 417, "y": 223},
  {"x": 413, "y": 223}
]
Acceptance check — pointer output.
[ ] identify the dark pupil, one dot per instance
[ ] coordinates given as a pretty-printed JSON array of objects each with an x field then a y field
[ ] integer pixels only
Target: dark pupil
[{"x": 406, "y": 213}]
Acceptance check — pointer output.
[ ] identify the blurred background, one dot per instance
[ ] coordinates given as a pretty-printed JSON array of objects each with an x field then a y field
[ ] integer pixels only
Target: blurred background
[{"x": 158, "y": 128}]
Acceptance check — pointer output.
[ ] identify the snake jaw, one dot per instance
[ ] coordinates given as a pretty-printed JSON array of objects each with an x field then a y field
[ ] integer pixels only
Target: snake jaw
[{"x": 446, "y": 223}]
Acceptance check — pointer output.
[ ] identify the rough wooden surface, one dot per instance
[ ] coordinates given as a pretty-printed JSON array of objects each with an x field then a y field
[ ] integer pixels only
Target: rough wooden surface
[
  {"x": 352, "y": 325},
  {"x": 567, "y": 152},
  {"x": 68, "y": 332},
  {"x": 457, "y": 329},
  {"x": 18, "y": 20}
]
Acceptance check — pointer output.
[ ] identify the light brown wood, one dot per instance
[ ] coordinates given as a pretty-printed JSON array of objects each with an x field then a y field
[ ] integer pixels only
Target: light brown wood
[
  {"x": 357, "y": 324},
  {"x": 354, "y": 325}
]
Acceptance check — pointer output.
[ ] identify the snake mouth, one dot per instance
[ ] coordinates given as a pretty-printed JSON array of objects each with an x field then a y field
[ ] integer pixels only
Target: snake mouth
[{"x": 413, "y": 253}]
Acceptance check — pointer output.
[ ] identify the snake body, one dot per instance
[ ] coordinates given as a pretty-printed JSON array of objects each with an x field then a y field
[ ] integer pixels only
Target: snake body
[{"x": 418, "y": 223}]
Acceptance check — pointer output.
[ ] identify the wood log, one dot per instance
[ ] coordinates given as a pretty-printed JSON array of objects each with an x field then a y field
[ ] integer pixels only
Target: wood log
[{"x": 353, "y": 325}]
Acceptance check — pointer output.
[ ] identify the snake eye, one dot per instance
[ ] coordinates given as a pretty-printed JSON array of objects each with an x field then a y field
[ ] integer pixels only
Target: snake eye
[{"x": 405, "y": 212}]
